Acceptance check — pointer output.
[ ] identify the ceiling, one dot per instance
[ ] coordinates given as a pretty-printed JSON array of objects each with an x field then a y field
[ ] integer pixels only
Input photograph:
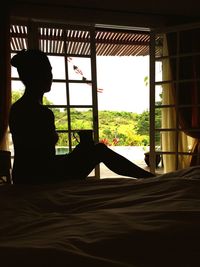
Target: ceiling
[
  {"x": 143, "y": 15},
  {"x": 155, "y": 7},
  {"x": 127, "y": 12},
  {"x": 76, "y": 41}
]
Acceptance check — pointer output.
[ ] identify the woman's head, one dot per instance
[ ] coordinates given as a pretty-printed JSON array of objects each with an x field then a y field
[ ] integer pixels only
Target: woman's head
[{"x": 34, "y": 69}]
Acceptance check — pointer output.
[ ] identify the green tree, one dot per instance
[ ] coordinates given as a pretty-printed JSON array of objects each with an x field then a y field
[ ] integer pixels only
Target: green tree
[
  {"x": 16, "y": 95},
  {"x": 117, "y": 128},
  {"x": 143, "y": 124}
]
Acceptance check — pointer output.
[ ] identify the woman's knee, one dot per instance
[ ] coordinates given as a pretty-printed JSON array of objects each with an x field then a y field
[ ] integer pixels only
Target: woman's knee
[{"x": 101, "y": 148}]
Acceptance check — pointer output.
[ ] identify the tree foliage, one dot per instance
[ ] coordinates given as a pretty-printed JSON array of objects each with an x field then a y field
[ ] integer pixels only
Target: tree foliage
[{"x": 115, "y": 128}]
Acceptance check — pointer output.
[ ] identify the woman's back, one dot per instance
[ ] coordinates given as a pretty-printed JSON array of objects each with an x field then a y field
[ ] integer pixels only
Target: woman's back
[{"x": 34, "y": 136}]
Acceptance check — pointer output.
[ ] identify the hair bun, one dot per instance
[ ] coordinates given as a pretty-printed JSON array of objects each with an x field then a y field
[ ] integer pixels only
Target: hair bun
[{"x": 18, "y": 59}]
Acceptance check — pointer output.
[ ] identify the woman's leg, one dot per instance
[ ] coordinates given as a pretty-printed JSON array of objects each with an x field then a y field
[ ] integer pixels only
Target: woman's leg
[
  {"x": 84, "y": 159},
  {"x": 119, "y": 164}
]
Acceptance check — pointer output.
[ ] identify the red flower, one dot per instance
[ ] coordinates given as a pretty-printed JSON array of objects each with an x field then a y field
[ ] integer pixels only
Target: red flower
[
  {"x": 105, "y": 141},
  {"x": 115, "y": 141}
]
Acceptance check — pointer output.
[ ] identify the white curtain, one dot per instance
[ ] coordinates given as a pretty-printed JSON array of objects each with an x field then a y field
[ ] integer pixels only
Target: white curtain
[{"x": 169, "y": 122}]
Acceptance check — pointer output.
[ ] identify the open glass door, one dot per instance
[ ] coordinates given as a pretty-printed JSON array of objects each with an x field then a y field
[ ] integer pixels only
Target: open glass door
[
  {"x": 72, "y": 51},
  {"x": 175, "y": 96},
  {"x": 73, "y": 98}
]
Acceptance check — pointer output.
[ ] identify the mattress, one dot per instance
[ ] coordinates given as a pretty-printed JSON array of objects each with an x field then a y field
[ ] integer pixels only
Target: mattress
[{"x": 103, "y": 222}]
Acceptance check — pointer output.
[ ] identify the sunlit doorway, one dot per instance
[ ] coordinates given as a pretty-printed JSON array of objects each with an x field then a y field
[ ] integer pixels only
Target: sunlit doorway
[{"x": 123, "y": 106}]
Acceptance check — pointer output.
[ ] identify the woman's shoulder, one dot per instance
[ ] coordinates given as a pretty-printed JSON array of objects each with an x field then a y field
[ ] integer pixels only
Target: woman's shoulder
[
  {"x": 47, "y": 111},
  {"x": 30, "y": 109}
]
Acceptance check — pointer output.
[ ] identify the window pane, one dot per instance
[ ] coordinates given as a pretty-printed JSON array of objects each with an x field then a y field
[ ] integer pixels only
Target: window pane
[
  {"x": 79, "y": 68},
  {"x": 17, "y": 90},
  {"x": 189, "y": 93},
  {"x": 158, "y": 94},
  {"x": 165, "y": 114},
  {"x": 60, "y": 118},
  {"x": 57, "y": 95},
  {"x": 188, "y": 140},
  {"x": 170, "y": 145},
  {"x": 158, "y": 118},
  {"x": 184, "y": 160},
  {"x": 14, "y": 73},
  {"x": 172, "y": 43},
  {"x": 81, "y": 119},
  {"x": 189, "y": 41},
  {"x": 189, "y": 67},
  {"x": 158, "y": 71},
  {"x": 164, "y": 94},
  {"x": 58, "y": 66},
  {"x": 80, "y": 94},
  {"x": 159, "y": 45},
  {"x": 62, "y": 146}
]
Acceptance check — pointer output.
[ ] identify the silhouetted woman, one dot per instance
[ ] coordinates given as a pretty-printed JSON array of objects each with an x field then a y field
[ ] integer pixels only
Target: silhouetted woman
[{"x": 34, "y": 135}]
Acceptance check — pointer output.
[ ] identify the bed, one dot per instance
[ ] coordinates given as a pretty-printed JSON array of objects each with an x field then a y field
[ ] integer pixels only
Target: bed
[{"x": 106, "y": 222}]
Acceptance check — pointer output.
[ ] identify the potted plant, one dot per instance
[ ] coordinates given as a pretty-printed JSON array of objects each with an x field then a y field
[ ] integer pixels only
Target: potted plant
[{"x": 147, "y": 158}]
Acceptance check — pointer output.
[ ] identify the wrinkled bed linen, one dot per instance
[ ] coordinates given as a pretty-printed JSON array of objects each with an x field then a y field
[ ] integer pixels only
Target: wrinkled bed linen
[{"x": 103, "y": 223}]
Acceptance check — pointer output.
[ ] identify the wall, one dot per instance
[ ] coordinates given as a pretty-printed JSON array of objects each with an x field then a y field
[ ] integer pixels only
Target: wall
[{"x": 86, "y": 15}]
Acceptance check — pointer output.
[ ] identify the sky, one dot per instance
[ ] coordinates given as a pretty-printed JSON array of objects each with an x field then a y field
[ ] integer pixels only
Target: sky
[{"x": 122, "y": 80}]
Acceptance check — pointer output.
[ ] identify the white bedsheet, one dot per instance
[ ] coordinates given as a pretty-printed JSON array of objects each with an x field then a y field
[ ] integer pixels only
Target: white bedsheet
[{"x": 107, "y": 222}]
